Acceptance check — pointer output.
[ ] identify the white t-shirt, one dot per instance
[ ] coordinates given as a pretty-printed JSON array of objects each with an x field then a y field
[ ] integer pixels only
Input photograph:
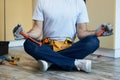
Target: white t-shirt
[{"x": 60, "y": 17}]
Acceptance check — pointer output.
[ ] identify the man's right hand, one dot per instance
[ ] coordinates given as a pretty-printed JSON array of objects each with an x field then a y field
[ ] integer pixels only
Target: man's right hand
[{"x": 16, "y": 32}]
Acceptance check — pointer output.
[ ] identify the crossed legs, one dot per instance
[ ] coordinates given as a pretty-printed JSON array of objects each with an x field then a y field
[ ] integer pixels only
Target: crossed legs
[{"x": 65, "y": 58}]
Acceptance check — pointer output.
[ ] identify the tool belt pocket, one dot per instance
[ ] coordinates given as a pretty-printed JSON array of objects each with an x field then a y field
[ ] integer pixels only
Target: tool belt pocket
[{"x": 58, "y": 45}]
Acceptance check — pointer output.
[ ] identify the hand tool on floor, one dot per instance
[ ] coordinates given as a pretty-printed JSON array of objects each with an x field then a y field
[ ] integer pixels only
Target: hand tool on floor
[
  {"x": 13, "y": 60},
  {"x": 2, "y": 58}
]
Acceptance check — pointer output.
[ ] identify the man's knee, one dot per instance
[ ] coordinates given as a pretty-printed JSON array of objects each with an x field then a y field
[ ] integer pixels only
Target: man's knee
[
  {"x": 29, "y": 46},
  {"x": 26, "y": 43},
  {"x": 92, "y": 44}
]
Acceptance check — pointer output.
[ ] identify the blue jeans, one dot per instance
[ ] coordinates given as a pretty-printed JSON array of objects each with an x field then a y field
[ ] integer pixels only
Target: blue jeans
[{"x": 64, "y": 58}]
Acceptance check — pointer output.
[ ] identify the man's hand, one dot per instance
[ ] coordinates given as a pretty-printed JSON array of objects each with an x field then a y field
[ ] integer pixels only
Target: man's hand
[
  {"x": 16, "y": 32},
  {"x": 104, "y": 30}
]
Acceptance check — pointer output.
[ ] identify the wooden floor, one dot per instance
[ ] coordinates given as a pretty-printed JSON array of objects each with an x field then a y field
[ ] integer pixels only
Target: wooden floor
[{"x": 103, "y": 68}]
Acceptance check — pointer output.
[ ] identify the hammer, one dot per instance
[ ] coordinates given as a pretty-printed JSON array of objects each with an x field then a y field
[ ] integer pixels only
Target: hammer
[{"x": 28, "y": 37}]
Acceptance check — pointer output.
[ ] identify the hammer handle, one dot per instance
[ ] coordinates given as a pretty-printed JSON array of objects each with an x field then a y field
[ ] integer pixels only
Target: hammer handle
[
  {"x": 26, "y": 36},
  {"x": 101, "y": 32}
]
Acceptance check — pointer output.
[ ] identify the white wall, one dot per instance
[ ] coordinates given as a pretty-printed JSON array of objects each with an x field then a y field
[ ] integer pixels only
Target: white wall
[{"x": 117, "y": 30}]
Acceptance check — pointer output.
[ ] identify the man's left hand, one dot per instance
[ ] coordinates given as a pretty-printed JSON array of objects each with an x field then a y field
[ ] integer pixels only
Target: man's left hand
[{"x": 104, "y": 30}]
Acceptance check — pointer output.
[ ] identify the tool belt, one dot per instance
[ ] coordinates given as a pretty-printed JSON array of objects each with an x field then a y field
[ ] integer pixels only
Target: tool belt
[{"x": 58, "y": 45}]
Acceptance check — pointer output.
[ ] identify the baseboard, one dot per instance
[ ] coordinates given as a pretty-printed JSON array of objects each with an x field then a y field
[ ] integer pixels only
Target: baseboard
[
  {"x": 108, "y": 52},
  {"x": 16, "y": 43},
  {"x": 117, "y": 53}
]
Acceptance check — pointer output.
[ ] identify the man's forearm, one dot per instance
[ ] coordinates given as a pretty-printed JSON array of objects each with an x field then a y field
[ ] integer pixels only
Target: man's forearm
[
  {"x": 83, "y": 34},
  {"x": 34, "y": 33},
  {"x": 36, "y": 30}
]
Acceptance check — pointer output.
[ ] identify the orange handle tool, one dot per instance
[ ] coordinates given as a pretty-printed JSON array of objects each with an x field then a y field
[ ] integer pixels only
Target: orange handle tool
[
  {"x": 26, "y": 36},
  {"x": 101, "y": 32}
]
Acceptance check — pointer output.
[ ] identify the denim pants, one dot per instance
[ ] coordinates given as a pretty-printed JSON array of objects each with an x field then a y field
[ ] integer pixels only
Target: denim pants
[{"x": 64, "y": 58}]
